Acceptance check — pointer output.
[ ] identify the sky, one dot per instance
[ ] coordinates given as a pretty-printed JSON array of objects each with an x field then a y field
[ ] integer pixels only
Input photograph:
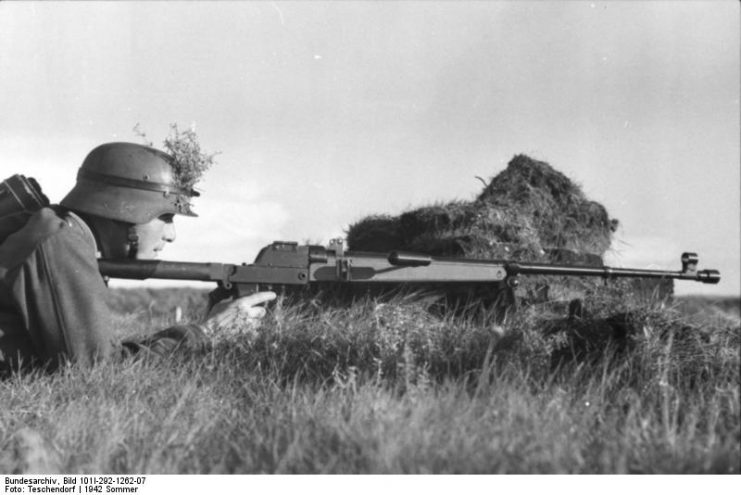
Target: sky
[{"x": 326, "y": 112}]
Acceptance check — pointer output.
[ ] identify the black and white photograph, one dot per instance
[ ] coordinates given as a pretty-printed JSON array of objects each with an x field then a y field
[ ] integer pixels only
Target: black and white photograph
[{"x": 421, "y": 238}]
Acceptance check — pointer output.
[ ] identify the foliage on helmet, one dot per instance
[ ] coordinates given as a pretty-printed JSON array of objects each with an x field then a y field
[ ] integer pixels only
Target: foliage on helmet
[{"x": 189, "y": 162}]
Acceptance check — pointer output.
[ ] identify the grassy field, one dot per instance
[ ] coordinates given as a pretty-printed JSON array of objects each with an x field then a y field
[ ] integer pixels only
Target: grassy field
[{"x": 391, "y": 388}]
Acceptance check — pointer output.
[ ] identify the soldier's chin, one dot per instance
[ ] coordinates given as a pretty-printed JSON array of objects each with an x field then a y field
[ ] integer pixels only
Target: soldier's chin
[{"x": 148, "y": 255}]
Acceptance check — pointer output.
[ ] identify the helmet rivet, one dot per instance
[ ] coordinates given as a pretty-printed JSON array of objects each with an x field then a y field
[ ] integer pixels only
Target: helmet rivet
[{"x": 146, "y": 177}]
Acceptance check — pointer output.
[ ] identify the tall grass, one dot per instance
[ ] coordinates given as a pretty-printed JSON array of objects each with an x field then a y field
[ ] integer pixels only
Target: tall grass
[{"x": 390, "y": 388}]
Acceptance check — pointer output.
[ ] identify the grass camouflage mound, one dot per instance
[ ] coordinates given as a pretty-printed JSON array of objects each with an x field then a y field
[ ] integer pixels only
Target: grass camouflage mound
[{"x": 526, "y": 212}]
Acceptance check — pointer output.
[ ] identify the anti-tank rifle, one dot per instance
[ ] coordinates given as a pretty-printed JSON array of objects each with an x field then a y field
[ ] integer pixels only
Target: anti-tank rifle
[{"x": 288, "y": 264}]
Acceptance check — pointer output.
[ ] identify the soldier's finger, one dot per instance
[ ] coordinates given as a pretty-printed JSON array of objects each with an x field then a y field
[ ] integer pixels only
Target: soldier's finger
[{"x": 257, "y": 298}]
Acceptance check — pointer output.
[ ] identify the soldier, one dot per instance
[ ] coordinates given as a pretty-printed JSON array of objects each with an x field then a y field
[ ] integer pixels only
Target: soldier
[{"x": 52, "y": 296}]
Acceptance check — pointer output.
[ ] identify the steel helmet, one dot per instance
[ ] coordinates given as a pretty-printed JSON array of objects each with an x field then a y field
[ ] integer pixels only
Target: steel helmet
[{"x": 129, "y": 182}]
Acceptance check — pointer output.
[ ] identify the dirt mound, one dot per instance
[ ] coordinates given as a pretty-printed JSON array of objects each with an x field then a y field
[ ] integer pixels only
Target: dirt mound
[{"x": 528, "y": 212}]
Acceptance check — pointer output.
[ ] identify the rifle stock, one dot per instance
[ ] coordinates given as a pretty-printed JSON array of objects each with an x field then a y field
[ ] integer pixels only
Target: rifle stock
[{"x": 287, "y": 264}]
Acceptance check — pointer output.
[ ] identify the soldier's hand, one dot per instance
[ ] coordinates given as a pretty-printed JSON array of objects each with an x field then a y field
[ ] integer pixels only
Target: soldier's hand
[{"x": 238, "y": 316}]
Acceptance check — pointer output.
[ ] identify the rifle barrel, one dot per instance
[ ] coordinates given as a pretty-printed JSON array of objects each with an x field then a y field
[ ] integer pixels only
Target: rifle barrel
[{"x": 704, "y": 276}]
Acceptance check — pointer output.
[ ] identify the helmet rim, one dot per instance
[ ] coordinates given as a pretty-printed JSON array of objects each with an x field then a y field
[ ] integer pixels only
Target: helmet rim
[{"x": 128, "y": 205}]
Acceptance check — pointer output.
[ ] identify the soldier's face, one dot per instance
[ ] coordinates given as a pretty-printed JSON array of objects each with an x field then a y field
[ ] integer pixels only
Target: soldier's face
[{"x": 153, "y": 236}]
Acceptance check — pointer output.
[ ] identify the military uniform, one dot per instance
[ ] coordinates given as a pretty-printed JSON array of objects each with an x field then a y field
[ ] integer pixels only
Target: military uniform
[{"x": 52, "y": 298}]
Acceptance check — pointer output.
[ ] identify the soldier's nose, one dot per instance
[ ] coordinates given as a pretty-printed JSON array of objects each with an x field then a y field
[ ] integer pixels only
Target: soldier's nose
[{"x": 169, "y": 234}]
